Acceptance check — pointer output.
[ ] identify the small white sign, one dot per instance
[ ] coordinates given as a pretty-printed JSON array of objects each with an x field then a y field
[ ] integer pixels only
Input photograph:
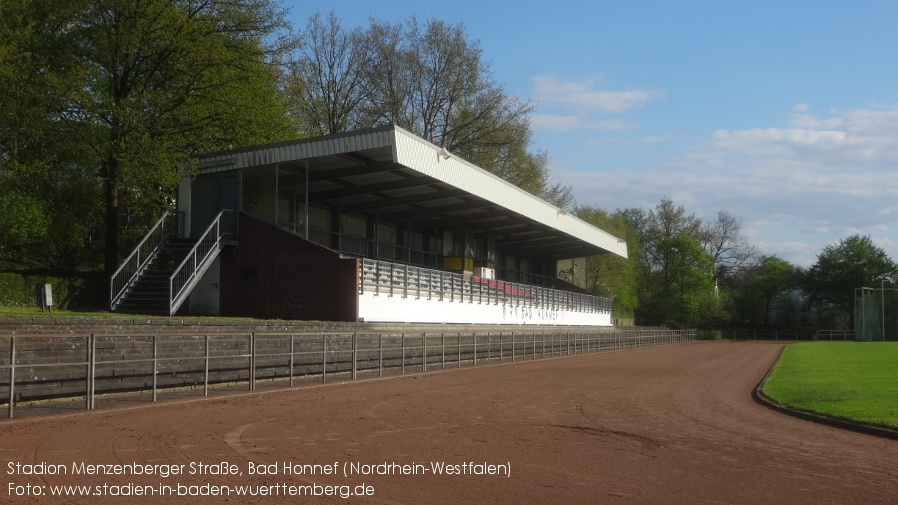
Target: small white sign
[{"x": 48, "y": 295}]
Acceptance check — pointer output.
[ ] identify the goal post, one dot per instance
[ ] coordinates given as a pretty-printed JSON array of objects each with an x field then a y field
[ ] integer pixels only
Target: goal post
[{"x": 876, "y": 314}]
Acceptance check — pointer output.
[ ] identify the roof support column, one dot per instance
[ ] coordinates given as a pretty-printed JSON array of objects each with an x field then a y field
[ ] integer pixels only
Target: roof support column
[{"x": 307, "y": 200}]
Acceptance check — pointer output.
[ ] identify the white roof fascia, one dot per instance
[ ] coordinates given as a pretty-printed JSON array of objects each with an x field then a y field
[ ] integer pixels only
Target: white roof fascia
[
  {"x": 422, "y": 156},
  {"x": 296, "y": 150}
]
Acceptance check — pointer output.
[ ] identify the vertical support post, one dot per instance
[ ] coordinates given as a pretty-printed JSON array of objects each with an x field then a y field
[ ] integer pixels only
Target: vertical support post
[
  {"x": 12, "y": 376},
  {"x": 306, "y": 191},
  {"x": 206, "y": 367},
  {"x": 323, "y": 358},
  {"x": 424, "y": 351},
  {"x": 155, "y": 364},
  {"x": 252, "y": 361},
  {"x": 402, "y": 344},
  {"x": 87, "y": 375},
  {"x": 474, "y": 337},
  {"x": 458, "y": 349},
  {"x": 355, "y": 355},
  {"x": 512, "y": 347},
  {"x": 292, "y": 358},
  {"x": 93, "y": 370},
  {"x": 376, "y": 278},
  {"x": 380, "y": 345},
  {"x": 489, "y": 348},
  {"x": 442, "y": 351}
]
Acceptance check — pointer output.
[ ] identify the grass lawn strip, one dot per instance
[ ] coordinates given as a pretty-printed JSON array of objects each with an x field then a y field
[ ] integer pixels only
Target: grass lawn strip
[{"x": 857, "y": 381}]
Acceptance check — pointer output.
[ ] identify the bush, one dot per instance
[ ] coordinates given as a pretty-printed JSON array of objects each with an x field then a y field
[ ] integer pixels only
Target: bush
[
  {"x": 13, "y": 292},
  {"x": 73, "y": 293},
  {"x": 708, "y": 335}
]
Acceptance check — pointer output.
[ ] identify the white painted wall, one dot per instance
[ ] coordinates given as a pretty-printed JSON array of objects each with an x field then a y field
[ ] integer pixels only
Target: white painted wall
[
  {"x": 385, "y": 308},
  {"x": 204, "y": 300}
]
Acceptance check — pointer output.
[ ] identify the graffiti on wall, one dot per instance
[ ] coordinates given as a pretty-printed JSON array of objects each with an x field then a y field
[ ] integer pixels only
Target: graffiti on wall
[{"x": 525, "y": 315}]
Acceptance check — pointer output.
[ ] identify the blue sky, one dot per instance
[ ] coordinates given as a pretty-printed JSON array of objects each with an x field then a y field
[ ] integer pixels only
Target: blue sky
[{"x": 784, "y": 114}]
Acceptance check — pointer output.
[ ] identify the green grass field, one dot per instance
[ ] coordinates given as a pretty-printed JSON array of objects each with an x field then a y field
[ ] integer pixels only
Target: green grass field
[
  {"x": 851, "y": 380},
  {"x": 36, "y": 312}
]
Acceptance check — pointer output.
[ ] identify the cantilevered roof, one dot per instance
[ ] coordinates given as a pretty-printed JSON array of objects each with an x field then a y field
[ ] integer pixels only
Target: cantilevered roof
[{"x": 402, "y": 178}]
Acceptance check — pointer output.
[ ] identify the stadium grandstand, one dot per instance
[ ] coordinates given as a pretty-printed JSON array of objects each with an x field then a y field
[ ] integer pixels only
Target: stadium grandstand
[{"x": 375, "y": 225}]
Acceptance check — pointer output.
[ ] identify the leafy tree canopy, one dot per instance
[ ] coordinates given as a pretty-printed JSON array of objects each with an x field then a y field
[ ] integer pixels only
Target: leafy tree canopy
[
  {"x": 610, "y": 275},
  {"x": 841, "y": 268},
  {"x": 133, "y": 88}
]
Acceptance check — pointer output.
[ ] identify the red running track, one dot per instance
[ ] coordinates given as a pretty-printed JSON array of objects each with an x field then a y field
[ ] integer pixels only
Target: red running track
[{"x": 672, "y": 424}]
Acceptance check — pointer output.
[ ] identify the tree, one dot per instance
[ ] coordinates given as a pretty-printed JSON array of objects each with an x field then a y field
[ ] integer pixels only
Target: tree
[
  {"x": 48, "y": 186},
  {"x": 428, "y": 78},
  {"x": 610, "y": 275},
  {"x": 163, "y": 81},
  {"x": 327, "y": 82},
  {"x": 729, "y": 249},
  {"x": 557, "y": 194},
  {"x": 388, "y": 84},
  {"x": 664, "y": 222},
  {"x": 672, "y": 287},
  {"x": 687, "y": 288},
  {"x": 853, "y": 263},
  {"x": 772, "y": 278}
]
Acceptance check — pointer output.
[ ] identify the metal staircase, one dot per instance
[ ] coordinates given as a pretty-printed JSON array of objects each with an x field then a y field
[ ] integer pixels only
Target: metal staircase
[
  {"x": 164, "y": 268},
  {"x": 148, "y": 293}
]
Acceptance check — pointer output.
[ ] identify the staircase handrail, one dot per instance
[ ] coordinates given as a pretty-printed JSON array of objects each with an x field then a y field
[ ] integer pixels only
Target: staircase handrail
[
  {"x": 189, "y": 269},
  {"x": 130, "y": 269}
]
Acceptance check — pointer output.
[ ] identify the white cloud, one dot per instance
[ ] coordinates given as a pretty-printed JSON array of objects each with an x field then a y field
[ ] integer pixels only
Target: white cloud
[
  {"x": 658, "y": 139},
  {"x": 798, "y": 253},
  {"x": 796, "y": 188},
  {"x": 582, "y": 95},
  {"x": 859, "y": 136},
  {"x": 565, "y": 123}
]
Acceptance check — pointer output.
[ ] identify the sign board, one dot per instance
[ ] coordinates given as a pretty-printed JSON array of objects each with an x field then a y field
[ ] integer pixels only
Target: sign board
[{"x": 45, "y": 296}]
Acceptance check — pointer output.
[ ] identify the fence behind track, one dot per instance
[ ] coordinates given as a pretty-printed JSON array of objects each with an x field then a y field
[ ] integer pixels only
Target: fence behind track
[
  {"x": 786, "y": 335},
  {"x": 91, "y": 368}
]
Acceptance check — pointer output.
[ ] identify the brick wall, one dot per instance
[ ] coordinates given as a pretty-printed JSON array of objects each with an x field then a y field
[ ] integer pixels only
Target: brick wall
[{"x": 273, "y": 274}]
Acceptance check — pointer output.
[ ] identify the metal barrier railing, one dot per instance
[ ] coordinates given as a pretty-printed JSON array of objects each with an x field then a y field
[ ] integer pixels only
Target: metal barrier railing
[
  {"x": 200, "y": 257},
  {"x": 786, "y": 335},
  {"x": 41, "y": 367},
  {"x": 139, "y": 258},
  {"x": 396, "y": 279}
]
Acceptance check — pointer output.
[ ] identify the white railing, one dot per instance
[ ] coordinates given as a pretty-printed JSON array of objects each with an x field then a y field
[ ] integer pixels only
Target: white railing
[
  {"x": 131, "y": 268},
  {"x": 197, "y": 261},
  {"x": 395, "y": 279}
]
